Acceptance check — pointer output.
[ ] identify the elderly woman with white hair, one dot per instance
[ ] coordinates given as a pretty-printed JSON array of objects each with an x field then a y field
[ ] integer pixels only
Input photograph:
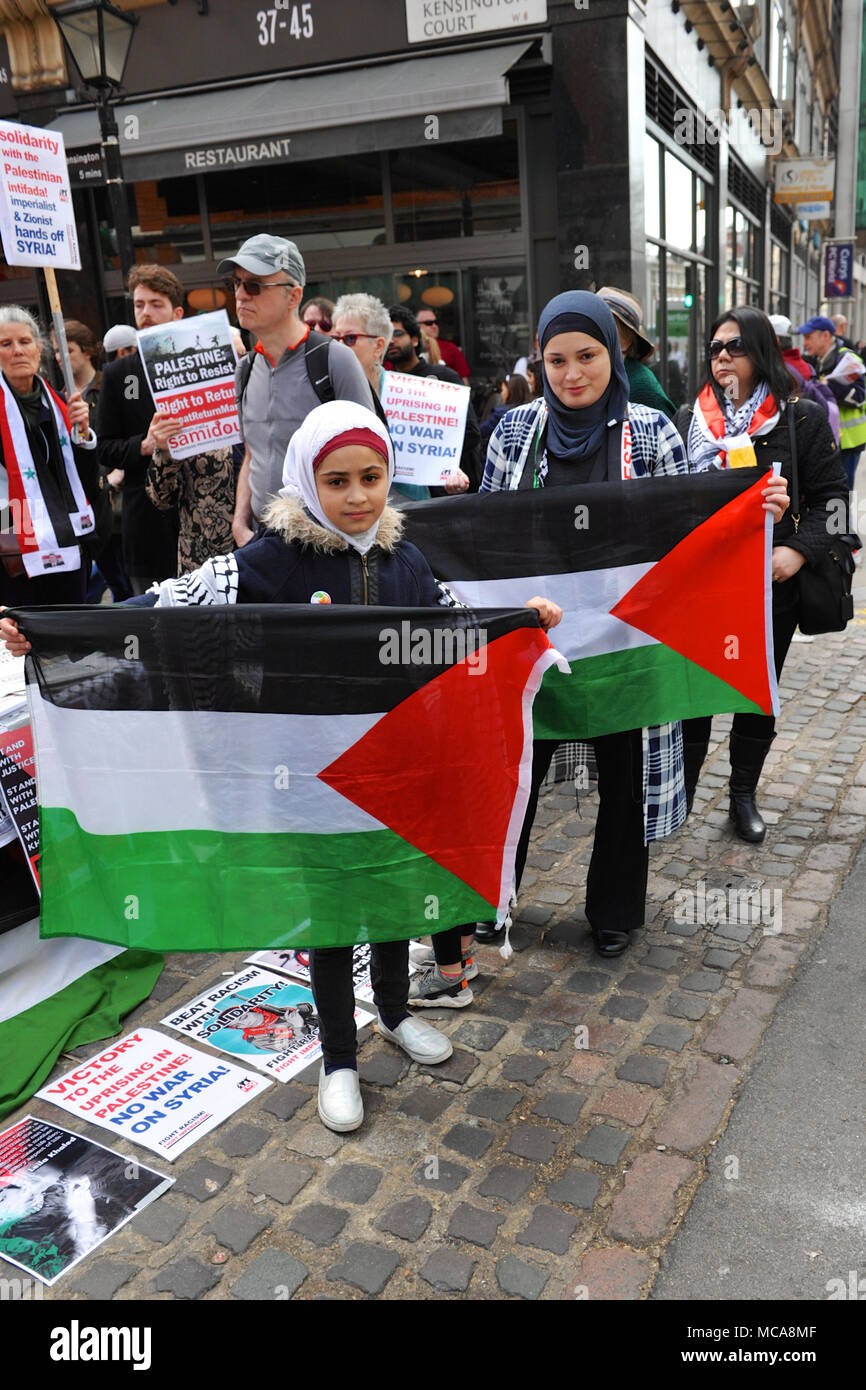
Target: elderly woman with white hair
[
  {"x": 363, "y": 323},
  {"x": 51, "y": 509}
]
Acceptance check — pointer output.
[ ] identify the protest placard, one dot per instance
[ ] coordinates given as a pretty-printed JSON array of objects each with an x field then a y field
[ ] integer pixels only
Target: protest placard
[
  {"x": 154, "y": 1092},
  {"x": 61, "y": 1196},
  {"x": 190, "y": 369},
  {"x": 18, "y": 789},
  {"x": 427, "y": 420},
  {"x": 37, "y": 223},
  {"x": 269, "y": 1022}
]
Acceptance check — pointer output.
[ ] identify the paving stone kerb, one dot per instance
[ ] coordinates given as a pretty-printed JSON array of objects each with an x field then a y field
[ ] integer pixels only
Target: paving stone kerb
[{"x": 553, "y": 1156}]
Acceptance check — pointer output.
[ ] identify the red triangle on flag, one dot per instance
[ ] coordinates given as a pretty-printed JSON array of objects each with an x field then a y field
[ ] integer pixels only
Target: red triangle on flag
[
  {"x": 698, "y": 599},
  {"x": 441, "y": 769}
]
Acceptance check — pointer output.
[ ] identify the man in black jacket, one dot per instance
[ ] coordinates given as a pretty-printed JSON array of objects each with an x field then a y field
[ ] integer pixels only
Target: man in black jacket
[
  {"x": 402, "y": 356},
  {"x": 124, "y": 417}
]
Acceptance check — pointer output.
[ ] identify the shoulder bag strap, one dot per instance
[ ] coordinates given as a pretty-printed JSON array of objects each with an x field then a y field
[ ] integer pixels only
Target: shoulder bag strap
[{"x": 795, "y": 480}]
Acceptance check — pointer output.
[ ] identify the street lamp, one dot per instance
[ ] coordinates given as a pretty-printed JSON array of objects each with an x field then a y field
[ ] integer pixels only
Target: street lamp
[{"x": 98, "y": 37}]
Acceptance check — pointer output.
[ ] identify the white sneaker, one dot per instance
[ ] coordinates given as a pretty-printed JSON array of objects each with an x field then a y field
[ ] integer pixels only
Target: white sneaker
[
  {"x": 340, "y": 1105},
  {"x": 420, "y": 1041}
]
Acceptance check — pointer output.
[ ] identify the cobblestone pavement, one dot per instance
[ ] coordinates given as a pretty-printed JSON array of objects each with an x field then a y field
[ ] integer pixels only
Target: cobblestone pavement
[{"x": 554, "y": 1155}]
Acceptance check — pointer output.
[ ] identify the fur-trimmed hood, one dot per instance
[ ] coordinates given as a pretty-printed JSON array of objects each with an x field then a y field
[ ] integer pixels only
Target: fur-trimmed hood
[{"x": 286, "y": 515}]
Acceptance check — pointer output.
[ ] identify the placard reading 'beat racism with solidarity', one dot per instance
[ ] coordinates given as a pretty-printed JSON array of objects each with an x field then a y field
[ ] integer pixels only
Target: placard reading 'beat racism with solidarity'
[{"x": 37, "y": 223}]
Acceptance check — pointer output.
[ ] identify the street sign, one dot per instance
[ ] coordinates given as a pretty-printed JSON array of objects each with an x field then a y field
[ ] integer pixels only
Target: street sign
[
  {"x": 839, "y": 270},
  {"x": 804, "y": 180}
]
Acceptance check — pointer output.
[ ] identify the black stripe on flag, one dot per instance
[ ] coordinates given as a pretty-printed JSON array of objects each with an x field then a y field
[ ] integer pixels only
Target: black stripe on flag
[
  {"x": 260, "y": 658},
  {"x": 506, "y": 535}
]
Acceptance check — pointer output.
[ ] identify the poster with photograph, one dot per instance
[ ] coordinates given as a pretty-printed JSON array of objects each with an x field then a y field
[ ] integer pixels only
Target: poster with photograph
[
  {"x": 268, "y": 1022},
  {"x": 190, "y": 369},
  {"x": 296, "y": 964},
  {"x": 427, "y": 421},
  {"x": 61, "y": 1196},
  {"x": 154, "y": 1092}
]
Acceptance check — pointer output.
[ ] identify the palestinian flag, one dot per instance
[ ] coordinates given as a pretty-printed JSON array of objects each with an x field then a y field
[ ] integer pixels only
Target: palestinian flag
[
  {"x": 664, "y": 584},
  {"x": 56, "y": 995},
  {"x": 279, "y": 777}
]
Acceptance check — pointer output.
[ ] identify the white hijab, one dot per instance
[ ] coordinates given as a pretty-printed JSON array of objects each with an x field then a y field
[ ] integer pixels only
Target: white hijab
[{"x": 322, "y": 425}]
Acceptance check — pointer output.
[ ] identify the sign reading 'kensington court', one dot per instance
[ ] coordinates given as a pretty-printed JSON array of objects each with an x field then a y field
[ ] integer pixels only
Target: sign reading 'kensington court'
[{"x": 445, "y": 19}]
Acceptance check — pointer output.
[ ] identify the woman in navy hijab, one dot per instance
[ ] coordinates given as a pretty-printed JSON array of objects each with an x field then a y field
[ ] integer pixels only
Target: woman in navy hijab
[{"x": 583, "y": 430}]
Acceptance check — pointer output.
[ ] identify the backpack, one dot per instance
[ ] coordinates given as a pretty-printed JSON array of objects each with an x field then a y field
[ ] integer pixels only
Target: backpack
[{"x": 316, "y": 361}]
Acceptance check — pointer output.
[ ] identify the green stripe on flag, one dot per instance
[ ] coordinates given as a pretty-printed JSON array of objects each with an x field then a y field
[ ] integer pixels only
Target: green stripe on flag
[
  {"x": 87, "y": 1010},
  {"x": 629, "y": 689},
  {"x": 210, "y": 890}
]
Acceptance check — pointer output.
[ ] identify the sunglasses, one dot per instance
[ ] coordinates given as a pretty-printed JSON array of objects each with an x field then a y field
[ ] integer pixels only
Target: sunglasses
[
  {"x": 324, "y": 324},
  {"x": 252, "y": 287},
  {"x": 350, "y": 339},
  {"x": 734, "y": 347},
  {"x": 428, "y": 323}
]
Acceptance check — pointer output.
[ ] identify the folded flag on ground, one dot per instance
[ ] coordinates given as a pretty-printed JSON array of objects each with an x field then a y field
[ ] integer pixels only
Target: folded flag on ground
[
  {"x": 56, "y": 995},
  {"x": 269, "y": 776},
  {"x": 664, "y": 583}
]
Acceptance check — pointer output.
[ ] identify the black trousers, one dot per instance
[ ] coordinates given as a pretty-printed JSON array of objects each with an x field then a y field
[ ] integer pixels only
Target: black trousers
[
  {"x": 761, "y": 726},
  {"x": 331, "y": 972},
  {"x": 617, "y": 879}
]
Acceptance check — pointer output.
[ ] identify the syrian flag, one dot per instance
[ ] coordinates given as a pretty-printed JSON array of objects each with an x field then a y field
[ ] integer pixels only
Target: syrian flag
[
  {"x": 56, "y": 995},
  {"x": 664, "y": 585},
  {"x": 279, "y": 777}
]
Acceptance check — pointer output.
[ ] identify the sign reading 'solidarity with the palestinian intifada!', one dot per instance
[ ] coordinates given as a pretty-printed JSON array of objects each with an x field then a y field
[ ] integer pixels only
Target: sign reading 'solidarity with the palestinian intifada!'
[
  {"x": 190, "y": 369},
  {"x": 37, "y": 222}
]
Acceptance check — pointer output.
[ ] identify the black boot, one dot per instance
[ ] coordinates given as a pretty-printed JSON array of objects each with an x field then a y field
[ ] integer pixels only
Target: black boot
[
  {"x": 693, "y": 760},
  {"x": 747, "y": 759}
]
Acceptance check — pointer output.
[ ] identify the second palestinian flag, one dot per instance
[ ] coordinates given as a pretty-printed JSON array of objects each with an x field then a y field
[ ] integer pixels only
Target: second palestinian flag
[
  {"x": 664, "y": 583},
  {"x": 235, "y": 778}
]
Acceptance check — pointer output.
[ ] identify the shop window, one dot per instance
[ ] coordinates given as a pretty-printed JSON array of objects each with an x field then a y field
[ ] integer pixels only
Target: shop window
[
  {"x": 165, "y": 221},
  {"x": 679, "y": 202},
  {"x": 778, "y": 296},
  {"x": 743, "y": 240},
  {"x": 456, "y": 190},
  {"x": 322, "y": 205},
  {"x": 498, "y": 331},
  {"x": 652, "y": 187}
]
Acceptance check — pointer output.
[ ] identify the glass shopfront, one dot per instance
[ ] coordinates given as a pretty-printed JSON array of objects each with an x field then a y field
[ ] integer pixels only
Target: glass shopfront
[
  {"x": 677, "y": 201},
  {"x": 434, "y": 225}
]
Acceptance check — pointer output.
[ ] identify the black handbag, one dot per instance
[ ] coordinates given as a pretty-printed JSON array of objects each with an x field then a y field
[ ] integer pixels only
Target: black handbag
[{"x": 826, "y": 602}]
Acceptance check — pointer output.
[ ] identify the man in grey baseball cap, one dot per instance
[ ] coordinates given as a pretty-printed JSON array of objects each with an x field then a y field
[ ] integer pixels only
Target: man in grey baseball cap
[
  {"x": 275, "y": 394},
  {"x": 265, "y": 255}
]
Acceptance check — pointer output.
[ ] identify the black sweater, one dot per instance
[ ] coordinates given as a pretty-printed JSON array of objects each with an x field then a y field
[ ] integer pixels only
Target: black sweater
[{"x": 819, "y": 468}]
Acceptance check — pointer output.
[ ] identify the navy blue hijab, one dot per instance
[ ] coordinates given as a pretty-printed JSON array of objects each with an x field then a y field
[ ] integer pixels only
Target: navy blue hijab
[{"x": 574, "y": 434}]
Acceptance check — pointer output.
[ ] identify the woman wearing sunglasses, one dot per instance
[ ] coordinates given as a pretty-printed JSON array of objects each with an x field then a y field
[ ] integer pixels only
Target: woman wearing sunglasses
[
  {"x": 318, "y": 313},
  {"x": 738, "y": 420}
]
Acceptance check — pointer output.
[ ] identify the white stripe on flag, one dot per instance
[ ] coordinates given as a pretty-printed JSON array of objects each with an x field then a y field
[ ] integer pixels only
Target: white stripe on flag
[
  {"x": 241, "y": 759},
  {"x": 586, "y": 598},
  {"x": 34, "y": 970}
]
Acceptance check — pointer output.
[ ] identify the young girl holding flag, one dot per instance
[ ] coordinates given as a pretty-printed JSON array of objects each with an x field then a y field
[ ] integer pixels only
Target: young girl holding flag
[{"x": 331, "y": 538}]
